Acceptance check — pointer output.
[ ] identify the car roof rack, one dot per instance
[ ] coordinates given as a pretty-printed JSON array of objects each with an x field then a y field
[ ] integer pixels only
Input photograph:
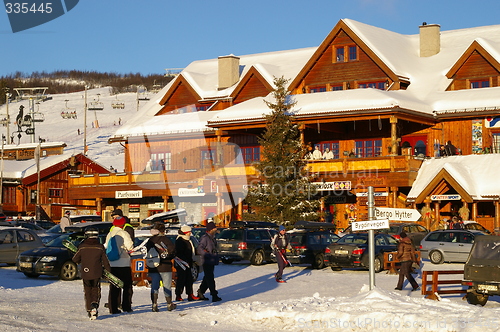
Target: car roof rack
[
  {"x": 252, "y": 224},
  {"x": 302, "y": 224}
]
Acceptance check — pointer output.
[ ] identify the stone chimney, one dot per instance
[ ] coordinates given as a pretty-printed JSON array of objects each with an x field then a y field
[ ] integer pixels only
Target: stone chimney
[
  {"x": 229, "y": 71},
  {"x": 430, "y": 40}
]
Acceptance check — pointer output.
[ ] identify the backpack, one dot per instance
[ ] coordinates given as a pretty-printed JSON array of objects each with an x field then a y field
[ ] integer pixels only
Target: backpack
[
  {"x": 152, "y": 258},
  {"x": 112, "y": 250}
]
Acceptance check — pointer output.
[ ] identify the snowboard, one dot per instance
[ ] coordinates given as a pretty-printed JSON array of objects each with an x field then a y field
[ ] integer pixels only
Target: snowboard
[{"x": 107, "y": 275}]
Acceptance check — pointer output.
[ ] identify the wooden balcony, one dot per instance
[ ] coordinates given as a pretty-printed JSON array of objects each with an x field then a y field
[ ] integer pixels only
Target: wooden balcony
[{"x": 396, "y": 170}]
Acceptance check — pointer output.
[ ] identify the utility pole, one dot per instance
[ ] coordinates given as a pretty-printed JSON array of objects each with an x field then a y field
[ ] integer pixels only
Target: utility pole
[{"x": 85, "y": 124}]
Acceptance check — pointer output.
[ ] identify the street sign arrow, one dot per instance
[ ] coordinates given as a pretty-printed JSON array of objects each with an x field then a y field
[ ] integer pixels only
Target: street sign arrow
[{"x": 397, "y": 214}]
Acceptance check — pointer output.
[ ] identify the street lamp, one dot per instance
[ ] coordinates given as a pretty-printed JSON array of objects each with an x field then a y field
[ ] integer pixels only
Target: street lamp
[{"x": 1, "y": 176}]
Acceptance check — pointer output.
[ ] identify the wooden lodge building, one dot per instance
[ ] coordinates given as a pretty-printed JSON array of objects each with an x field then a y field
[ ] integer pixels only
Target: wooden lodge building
[
  {"x": 27, "y": 183},
  {"x": 382, "y": 102}
]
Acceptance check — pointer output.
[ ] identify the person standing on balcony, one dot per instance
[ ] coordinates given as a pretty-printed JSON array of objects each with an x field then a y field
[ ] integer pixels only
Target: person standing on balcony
[
  {"x": 328, "y": 154},
  {"x": 450, "y": 149},
  {"x": 317, "y": 155}
]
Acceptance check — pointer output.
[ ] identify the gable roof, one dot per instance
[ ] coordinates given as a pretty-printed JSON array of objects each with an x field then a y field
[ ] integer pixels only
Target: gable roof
[{"x": 472, "y": 174}]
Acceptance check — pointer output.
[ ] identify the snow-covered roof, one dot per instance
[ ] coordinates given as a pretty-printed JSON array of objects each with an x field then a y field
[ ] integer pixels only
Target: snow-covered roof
[{"x": 474, "y": 173}]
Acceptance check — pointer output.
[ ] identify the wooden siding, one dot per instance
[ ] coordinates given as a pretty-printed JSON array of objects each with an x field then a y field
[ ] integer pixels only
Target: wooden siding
[
  {"x": 252, "y": 88},
  {"x": 476, "y": 67},
  {"x": 326, "y": 71},
  {"x": 180, "y": 97}
]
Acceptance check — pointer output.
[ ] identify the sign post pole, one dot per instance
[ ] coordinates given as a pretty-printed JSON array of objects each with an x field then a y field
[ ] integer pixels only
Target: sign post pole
[{"x": 371, "y": 237}]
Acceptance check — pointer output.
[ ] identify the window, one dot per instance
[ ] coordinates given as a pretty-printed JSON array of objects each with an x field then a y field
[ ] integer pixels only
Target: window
[
  {"x": 55, "y": 193},
  {"x": 369, "y": 148},
  {"x": 479, "y": 84},
  {"x": 373, "y": 85},
  {"x": 248, "y": 155},
  {"x": 317, "y": 89},
  {"x": 353, "y": 53},
  {"x": 208, "y": 157},
  {"x": 333, "y": 146},
  {"x": 9, "y": 195},
  {"x": 339, "y": 54},
  {"x": 161, "y": 161},
  {"x": 337, "y": 87}
]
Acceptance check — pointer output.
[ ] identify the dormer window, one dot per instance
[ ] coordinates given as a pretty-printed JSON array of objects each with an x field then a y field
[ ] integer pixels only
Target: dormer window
[
  {"x": 479, "y": 84},
  {"x": 341, "y": 51}
]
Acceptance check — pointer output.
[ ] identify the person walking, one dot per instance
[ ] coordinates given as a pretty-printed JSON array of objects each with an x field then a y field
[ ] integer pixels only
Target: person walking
[
  {"x": 279, "y": 244},
  {"x": 92, "y": 258},
  {"x": 406, "y": 255},
  {"x": 207, "y": 248},
  {"x": 184, "y": 250},
  {"x": 163, "y": 271},
  {"x": 120, "y": 268},
  {"x": 65, "y": 221}
]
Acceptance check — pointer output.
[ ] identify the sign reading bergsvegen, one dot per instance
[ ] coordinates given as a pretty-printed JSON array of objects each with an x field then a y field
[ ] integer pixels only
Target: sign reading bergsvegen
[{"x": 26, "y": 14}]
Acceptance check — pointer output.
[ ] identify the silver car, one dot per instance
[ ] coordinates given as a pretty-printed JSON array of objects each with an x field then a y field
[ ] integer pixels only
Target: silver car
[
  {"x": 449, "y": 245},
  {"x": 14, "y": 240}
]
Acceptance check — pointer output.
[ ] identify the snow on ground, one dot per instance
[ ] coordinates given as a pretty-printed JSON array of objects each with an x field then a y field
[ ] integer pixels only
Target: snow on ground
[{"x": 311, "y": 300}]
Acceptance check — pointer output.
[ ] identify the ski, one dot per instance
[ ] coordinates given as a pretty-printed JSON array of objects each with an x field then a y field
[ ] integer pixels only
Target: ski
[
  {"x": 183, "y": 264},
  {"x": 107, "y": 275}
]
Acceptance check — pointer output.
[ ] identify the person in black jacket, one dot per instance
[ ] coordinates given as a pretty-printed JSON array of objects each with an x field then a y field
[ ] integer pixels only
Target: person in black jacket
[
  {"x": 166, "y": 252},
  {"x": 92, "y": 258},
  {"x": 207, "y": 248},
  {"x": 279, "y": 244},
  {"x": 185, "y": 251}
]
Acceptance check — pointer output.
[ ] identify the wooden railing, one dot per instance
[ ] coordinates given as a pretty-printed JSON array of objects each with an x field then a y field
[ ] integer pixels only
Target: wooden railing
[{"x": 434, "y": 283}]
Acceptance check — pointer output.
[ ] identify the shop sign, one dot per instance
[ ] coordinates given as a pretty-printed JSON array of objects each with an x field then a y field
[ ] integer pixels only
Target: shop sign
[
  {"x": 445, "y": 197},
  {"x": 189, "y": 192},
  {"x": 156, "y": 206},
  {"x": 335, "y": 185},
  {"x": 128, "y": 194}
]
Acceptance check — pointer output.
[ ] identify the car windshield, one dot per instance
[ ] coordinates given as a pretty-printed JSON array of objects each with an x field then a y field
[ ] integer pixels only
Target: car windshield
[
  {"x": 57, "y": 242},
  {"x": 354, "y": 238},
  {"x": 231, "y": 234},
  {"x": 393, "y": 230}
]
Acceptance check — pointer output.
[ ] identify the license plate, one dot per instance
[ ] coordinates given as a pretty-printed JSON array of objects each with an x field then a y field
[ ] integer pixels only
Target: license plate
[
  {"x": 341, "y": 252},
  {"x": 225, "y": 245},
  {"x": 25, "y": 265},
  {"x": 487, "y": 287}
]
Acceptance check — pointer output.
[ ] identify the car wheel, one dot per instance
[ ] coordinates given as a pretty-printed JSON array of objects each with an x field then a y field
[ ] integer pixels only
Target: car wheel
[
  {"x": 475, "y": 298},
  {"x": 68, "y": 271},
  {"x": 226, "y": 260},
  {"x": 257, "y": 258},
  {"x": 436, "y": 257},
  {"x": 195, "y": 271},
  {"x": 378, "y": 265},
  {"x": 319, "y": 261},
  {"x": 31, "y": 275}
]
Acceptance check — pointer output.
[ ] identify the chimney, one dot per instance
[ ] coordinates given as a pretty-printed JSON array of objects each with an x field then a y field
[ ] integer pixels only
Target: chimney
[
  {"x": 430, "y": 41},
  {"x": 229, "y": 71}
]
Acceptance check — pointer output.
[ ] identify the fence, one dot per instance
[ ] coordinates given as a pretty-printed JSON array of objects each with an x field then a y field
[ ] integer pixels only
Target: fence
[{"x": 434, "y": 283}]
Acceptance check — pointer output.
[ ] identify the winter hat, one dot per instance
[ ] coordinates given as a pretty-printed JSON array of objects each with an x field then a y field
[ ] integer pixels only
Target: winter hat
[
  {"x": 210, "y": 226},
  {"x": 402, "y": 235},
  {"x": 119, "y": 222},
  {"x": 185, "y": 229},
  {"x": 117, "y": 212},
  {"x": 160, "y": 226},
  {"x": 282, "y": 228},
  {"x": 67, "y": 212}
]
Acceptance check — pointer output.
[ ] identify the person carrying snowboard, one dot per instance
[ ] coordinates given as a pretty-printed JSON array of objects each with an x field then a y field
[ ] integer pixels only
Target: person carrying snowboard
[{"x": 92, "y": 258}]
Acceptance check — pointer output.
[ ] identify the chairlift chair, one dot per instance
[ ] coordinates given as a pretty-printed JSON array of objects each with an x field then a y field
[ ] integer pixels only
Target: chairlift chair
[{"x": 96, "y": 106}]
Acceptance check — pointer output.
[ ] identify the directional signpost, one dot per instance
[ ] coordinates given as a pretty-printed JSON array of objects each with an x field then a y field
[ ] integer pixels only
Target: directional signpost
[{"x": 397, "y": 214}]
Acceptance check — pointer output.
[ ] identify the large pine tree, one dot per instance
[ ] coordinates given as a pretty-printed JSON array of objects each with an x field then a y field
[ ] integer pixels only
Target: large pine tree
[{"x": 284, "y": 194}]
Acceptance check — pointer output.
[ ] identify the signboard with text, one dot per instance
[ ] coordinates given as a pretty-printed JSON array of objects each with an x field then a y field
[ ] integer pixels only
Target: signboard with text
[
  {"x": 369, "y": 224},
  {"x": 397, "y": 214}
]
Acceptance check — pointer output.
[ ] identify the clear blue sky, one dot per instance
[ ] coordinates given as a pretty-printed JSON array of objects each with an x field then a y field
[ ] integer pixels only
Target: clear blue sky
[{"x": 147, "y": 36}]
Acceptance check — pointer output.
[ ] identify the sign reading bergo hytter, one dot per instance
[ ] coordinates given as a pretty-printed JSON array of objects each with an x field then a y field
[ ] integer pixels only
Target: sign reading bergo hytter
[{"x": 370, "y": 224}]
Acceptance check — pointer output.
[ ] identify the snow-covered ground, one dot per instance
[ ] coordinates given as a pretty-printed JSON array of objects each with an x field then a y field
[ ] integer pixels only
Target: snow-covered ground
[
  {"x": 311, "y": 300},
  {"x": 101, "y": 124}
]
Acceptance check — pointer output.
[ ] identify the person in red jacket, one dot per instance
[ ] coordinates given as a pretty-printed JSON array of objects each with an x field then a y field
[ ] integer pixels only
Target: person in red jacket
[{"x": 92, "y": 258}]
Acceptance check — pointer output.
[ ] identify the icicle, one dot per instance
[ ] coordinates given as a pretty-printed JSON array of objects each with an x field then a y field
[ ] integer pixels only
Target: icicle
[
  {"x": 379, "y": 123},
  {"x": 319, "y": 129},
  {"x": 369, "y": 125}
]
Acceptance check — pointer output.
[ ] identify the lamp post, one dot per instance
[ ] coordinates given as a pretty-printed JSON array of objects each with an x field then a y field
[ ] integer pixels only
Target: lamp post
[
  {"x": 1, "y": 177},
  {"x": 7, "y": 96}
]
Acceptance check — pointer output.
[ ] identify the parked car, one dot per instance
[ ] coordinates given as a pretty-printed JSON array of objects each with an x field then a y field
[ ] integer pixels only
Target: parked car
[
  {"x": 309, "y": 241},
  {"x": 415, "y": 232},
  {"x": 246, "y": 240},
  {"x": 481, "y": 270},
  {"x": 448, "y": 245},
  {"x": 474, "y": 226},
  {"x": 173, "y": 216},
  {"x": 351, "y": 250},
  {"x": 14, "y": 240},
  {"x": 54, "y": 259},
  {"x": 45, "y": 224}
]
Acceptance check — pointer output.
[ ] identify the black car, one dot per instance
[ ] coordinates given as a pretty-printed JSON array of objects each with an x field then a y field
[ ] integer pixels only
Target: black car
[
  {"x": 351, "y": 250},
  {"x": 54, "y": 259},
  {"x": 246, "y": 240},
  {"x": 415, "y": 232},
  {"x": 309, "y": 241}
]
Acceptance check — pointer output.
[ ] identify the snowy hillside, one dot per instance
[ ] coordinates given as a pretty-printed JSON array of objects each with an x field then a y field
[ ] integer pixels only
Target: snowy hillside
[{"x": 101, "y": 124}]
